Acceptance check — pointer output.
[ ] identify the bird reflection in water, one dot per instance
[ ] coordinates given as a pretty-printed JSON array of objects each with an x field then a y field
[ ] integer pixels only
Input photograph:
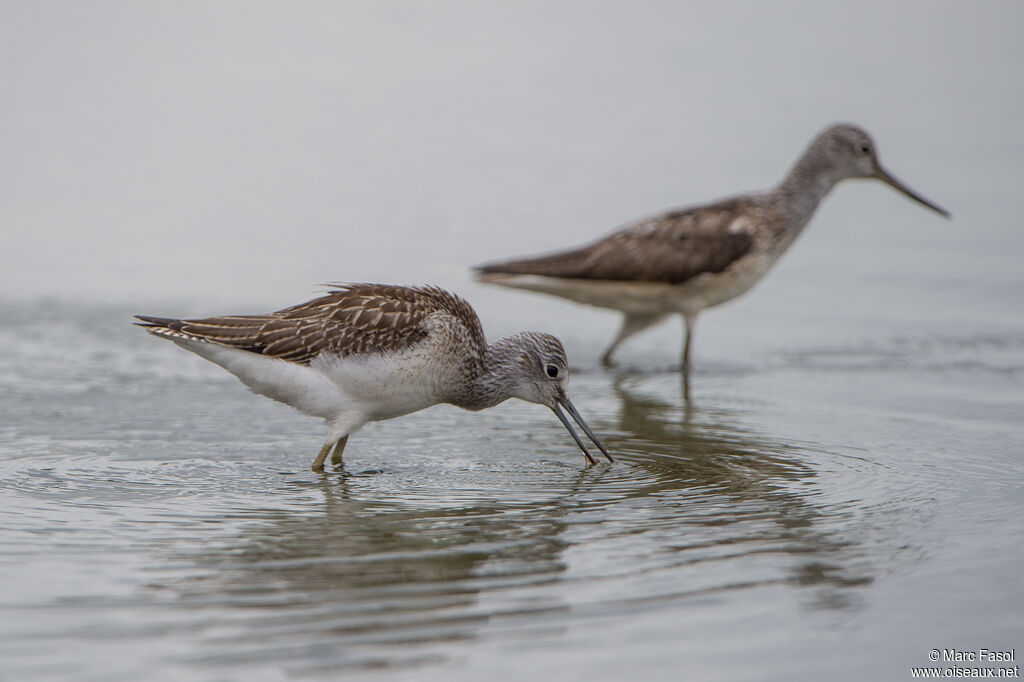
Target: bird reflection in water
[
  {"x": 398, "y": 568},
  {"x": 736, "y": 478}
]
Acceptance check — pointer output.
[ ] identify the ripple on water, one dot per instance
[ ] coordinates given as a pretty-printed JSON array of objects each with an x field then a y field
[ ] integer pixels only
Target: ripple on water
[
  {"x": 196, "y": 531},
  {"x": 347, "y": 570},
  {"x": 1001, "y": 354}
]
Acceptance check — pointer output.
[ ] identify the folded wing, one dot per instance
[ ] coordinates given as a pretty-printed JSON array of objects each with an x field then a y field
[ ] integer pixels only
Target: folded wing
[
  {"x": 671, "y": 248},
  {"x": 350, "y": 320}
]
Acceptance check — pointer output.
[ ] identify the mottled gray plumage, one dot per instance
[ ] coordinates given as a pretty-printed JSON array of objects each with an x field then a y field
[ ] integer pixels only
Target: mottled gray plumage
[
  {"x": 689, "y": 259},
  {"x": 349, "y": 320},
  {"x": 367, "y": 352},
  {"x": 672, "y": 248}
]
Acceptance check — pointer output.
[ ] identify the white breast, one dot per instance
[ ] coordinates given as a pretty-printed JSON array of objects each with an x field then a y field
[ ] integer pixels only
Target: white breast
[{"x": 386, "y": 386}]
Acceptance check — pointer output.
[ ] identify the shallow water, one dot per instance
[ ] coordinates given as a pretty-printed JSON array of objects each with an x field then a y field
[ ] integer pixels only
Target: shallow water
[
  {"x": 843, "y": 494},
  {"x": 160, "y": 522}
]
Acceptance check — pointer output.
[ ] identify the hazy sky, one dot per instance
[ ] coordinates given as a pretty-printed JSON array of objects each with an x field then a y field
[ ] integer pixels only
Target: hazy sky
[{"x": 246, "y": 151}]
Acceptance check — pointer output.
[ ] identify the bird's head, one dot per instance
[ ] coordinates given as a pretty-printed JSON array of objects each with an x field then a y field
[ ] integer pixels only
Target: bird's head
[
  {"x": 540, "y": 374},
  {"x": 851, "y": 153}
]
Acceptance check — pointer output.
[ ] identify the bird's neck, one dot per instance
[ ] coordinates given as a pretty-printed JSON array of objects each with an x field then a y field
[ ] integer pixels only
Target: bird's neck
[
  {"x": 494, "y": 377},
  {"x": 809, "y": 181}
]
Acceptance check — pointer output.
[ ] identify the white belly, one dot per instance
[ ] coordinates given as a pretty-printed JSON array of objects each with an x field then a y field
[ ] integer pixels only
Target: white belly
[
  {"x": 388, "y": 386},
  {"x": 299, "y": 386},
  {"x": 350, "y": 391}
]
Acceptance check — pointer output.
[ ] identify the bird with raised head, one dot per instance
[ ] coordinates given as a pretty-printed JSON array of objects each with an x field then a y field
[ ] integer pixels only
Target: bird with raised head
[{"x": 686, "y": 260}]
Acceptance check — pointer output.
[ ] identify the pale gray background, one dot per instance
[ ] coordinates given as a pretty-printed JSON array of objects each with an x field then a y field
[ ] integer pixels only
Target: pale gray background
[
  {"x": 844, "y": 495},
  {"x": 244, "y": 152}
]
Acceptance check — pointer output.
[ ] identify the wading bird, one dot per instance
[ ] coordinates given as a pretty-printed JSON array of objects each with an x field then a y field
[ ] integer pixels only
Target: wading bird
[
  {"x": 694, "y": 258},
  {"x": 369, "y": 352}
]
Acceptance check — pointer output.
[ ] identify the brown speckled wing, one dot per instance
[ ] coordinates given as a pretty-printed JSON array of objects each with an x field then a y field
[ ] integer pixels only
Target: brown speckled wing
[
  {"x": 350, "y": 320},
  {"x": 670, "y": 248}
]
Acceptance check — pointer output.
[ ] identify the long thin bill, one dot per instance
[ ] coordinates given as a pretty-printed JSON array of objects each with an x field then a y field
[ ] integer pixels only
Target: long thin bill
[
  {"x": 888, "y": 179},
  {"x": 572, "y": 432},
  {"x": 586, "y": 429}
]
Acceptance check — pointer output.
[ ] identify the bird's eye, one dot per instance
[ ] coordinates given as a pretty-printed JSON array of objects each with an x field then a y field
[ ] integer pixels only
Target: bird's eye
[
  {"x": 552, "y": 371},
  {"x": 865, "y": 149}
]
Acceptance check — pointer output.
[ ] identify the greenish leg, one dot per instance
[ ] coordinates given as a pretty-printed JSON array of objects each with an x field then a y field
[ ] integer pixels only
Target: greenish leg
[
  {"x": 318, "y": 463},
  {"x": 690, "y": 322},
  {"x": 632, "y": 323},
  {"x": 338, "y": 449}
]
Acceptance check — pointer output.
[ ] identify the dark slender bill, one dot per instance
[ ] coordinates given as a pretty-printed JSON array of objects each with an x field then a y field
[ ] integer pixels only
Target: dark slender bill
[
  {"x": 572, "y": 432},
  {"x": 571, "y": 409},
  {"x": 888, "y": 179}
]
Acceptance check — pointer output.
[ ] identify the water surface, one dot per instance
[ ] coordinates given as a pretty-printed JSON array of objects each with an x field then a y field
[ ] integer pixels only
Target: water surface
[
  {"x": 843, "y": 494},
  {"x": 172, "y": 528}
]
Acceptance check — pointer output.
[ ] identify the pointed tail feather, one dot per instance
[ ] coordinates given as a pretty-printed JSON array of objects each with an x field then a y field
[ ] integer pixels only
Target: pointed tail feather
[
  {"x": 166, "y": 327},
  {"x": 562, "y": 264},
  {"x": 149, "y": 321}
]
